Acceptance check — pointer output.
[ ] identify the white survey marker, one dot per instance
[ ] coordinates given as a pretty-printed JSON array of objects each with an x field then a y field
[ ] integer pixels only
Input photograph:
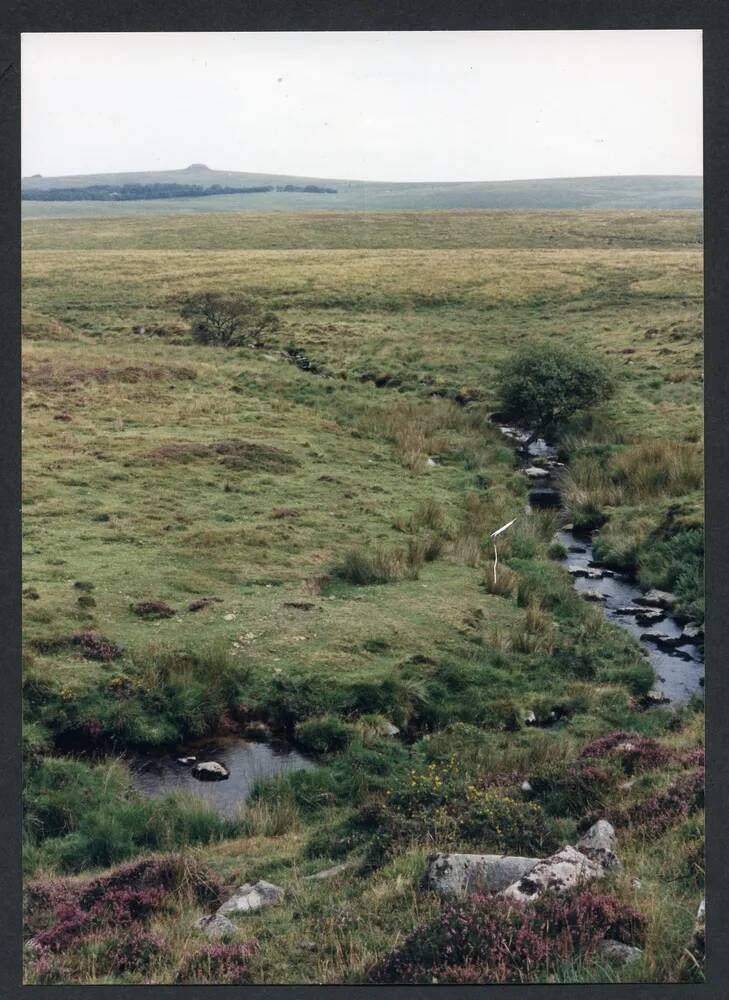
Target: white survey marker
[
  {"x": 503, "y": 528},
  {"x": 493, "y": 535}
]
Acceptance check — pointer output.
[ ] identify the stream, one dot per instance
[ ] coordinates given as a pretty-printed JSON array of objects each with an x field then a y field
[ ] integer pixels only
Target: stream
[{"x": 679, "y": 666}]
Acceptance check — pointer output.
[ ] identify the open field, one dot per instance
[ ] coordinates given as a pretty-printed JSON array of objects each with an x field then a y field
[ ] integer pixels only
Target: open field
[{"x": 161, "y": 470}]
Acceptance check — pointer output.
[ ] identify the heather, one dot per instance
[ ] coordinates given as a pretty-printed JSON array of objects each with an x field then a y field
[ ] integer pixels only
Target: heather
[{"x": 490, "y": 940}]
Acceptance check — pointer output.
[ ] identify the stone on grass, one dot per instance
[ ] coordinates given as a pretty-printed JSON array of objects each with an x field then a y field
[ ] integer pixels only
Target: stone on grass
[
  {"x": 210, "y": 770},
  {"x": 251, "y": 897},
  {"x": 461, "y": 874},
  {"x": 599, "y": 843},
  {"x": 616, "y": 951},
  {"x": 327, "y": 873},
  {"x": 215, "y": 925},
  {"x": 562, "y": 871}
]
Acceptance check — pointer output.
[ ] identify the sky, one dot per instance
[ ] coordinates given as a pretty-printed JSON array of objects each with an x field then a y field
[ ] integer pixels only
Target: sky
[{"x": 387, "y": 106}]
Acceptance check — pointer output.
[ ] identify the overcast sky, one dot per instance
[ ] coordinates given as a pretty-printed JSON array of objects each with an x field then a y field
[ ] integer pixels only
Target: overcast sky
[{"x": 394, "y": 106}]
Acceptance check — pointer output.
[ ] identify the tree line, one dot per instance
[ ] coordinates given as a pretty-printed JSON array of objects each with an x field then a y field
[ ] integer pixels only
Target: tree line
[{"x": 145, "y": 192}]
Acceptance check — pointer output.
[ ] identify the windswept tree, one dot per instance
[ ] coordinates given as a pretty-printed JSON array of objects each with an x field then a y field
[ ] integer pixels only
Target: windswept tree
[
  {"x": 227, "y": 320},
  {"x": 542, "y": 385}
]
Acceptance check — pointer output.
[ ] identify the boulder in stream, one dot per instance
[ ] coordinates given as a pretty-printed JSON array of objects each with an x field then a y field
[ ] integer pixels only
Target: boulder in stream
[
  {"x": 593, "y": 595},
  {"x": 658, "y": 599},
  {"x": 210, "y": 770}
]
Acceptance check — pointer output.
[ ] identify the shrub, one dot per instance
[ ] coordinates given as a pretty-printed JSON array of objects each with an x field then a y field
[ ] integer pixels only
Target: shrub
[
  {"x": 491, "y": 940},
  {"x": 503, "y": 584},
  {"x": 226, "y": 320},
  {"x": 327, "y": 734},
  {"x": 96, "y": 647},
  {"x": 542, "y": 385},
  {"x": 153, "y": 609}
]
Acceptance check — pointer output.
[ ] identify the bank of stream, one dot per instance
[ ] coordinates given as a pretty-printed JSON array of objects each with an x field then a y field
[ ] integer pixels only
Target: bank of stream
[{"x": 676, "y": 657}]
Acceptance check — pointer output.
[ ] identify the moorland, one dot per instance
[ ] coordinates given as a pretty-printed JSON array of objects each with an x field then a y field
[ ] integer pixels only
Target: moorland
[{"x": 288, "y": 540}]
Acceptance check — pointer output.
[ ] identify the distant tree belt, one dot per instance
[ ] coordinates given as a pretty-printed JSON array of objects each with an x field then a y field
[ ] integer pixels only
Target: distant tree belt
[{"x": 145, "y": 192}]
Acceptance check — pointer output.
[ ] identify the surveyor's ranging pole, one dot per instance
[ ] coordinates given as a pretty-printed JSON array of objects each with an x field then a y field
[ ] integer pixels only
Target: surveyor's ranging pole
[{"x": 493, "y": 536}]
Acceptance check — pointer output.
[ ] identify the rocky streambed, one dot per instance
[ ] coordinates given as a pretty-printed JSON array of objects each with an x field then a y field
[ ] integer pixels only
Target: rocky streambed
[{"x": 673, "y": 649}]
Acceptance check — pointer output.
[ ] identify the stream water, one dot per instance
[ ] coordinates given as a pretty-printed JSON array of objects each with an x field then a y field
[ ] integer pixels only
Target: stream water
[
  {"x": 247, "y": 762},
  {"x": 678, "y": 666}
]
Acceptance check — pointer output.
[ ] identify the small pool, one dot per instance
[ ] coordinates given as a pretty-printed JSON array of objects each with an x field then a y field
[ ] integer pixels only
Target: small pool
[{"x": 160, "y": 774}]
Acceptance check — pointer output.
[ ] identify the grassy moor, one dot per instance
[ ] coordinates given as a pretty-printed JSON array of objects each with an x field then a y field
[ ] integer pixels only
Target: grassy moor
[{"x": 284, "y": 545}]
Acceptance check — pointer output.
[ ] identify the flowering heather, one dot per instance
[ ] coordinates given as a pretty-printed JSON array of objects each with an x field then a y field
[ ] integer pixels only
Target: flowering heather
[
  {"x": 153, "y": 609},
  {"x": 488, "y": 939},
  {"x": 218, "y": 964},
  {"x": 638, "y": 753},
  {"x": 657, "y": 813},
  {"x": 133, "y": 952},
  {"x": 96, "y": 647},
  {"x": 604, "y": 744},
  {"x": 694, "y": 758},
  {"x": 68, "y": 911}
]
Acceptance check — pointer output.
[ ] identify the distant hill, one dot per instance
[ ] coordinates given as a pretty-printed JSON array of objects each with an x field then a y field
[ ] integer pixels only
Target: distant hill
[{"x": 637, "y": 192}]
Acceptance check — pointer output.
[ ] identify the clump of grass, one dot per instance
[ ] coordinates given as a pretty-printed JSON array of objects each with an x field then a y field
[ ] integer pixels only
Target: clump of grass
[
  {"x": 502, "y": 583},
  {"x": 655, "y": 468},
  {"x": 365, "y": 567},
  {"x": 326, "y": 734},
  {"x": 536, "y": 633}
]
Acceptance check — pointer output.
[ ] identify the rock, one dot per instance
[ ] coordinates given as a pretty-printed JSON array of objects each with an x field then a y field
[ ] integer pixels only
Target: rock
[
  {"x": 388, "y": 729},
  {"x": 576, "y": 548},
  {"x": 186, "y": 760},
  {"x": 461, "y": 874},
  {"x": 327, "y": 873},
  {"x": 649, "y": 616},
  {"x": 657, "y": 599},
  {"x": 210, "y": 770},
  {"x": 656, "y": 697},
  {"x": 599, "y": 843},
  {"x": 526, "y": 787},
  {"x": 215, "y": 925},
  {"x": 534, "y": 472},
  {"x": 252, "y": 897},
  {"x": 616, "y": 951},
  {"x": 662, "y": 639},
  {"x": 530, "y": 719},
  {"x": 560, "y": 872},
  {"x": 692, "y": 632},
  {"x": 588, "y": 573},
  {"x": 431, "y": 462},
  {"x": 593, "y": 595}
]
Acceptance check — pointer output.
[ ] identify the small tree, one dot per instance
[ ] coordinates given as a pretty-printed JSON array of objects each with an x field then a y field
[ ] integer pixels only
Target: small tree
[
  {"x": 226, "y": 320},
  {"x": 542, "y": 385}
]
